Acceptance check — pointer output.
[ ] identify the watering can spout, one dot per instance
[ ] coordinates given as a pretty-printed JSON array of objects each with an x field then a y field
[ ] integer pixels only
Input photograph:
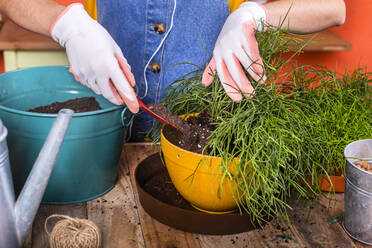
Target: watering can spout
[{"x": 16, "y": 217}]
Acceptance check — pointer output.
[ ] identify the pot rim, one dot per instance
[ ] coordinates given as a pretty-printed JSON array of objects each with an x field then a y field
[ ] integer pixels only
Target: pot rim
[
  {"x": 352, "y": 160},
  {"x": 34, "y": 114},
  {"x": 190, "y": 152}
]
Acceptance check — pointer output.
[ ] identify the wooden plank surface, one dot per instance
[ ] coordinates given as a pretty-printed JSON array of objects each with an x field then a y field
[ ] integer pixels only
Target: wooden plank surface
[
  {"x": 324, "y": 41},
  {"x": 275, "y": 234},
  {"x": 39, "y": 237},
  {"x": 124, "y": 223},
  {"x": 335, "y": 204},
  {"x": 310, "y": 227},
  {"x": 13, "y": 37},
  {"x": 319, "y": 227},
  {"x": 116, "y": 214}
]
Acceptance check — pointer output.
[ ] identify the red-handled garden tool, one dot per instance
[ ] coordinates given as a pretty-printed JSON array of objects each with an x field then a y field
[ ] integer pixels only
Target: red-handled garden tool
[{"x": 155, "y": 115}]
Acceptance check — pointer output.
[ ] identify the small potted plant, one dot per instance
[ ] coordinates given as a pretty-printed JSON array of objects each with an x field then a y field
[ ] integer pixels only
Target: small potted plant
[{"x": 342, "y": 114}]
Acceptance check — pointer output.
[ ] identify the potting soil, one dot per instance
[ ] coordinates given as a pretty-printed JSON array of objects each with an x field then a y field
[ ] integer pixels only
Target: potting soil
[
  {"x": 196, "y": 138},
  {"x": 161, "y": 187},
  {"x": 364, "y": 165},
  {"x": 162, "y": 111},
  {"x": 78, "y": 105}
]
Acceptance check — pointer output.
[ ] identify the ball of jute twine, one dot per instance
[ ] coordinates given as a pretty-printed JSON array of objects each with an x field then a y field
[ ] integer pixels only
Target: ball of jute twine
[{"x": 73, "y": 233}]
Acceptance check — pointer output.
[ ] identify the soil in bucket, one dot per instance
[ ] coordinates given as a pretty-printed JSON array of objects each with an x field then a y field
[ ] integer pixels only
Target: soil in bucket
[
  {"x": 78, "y": 105},
  {"x": 364, "y": 165}
]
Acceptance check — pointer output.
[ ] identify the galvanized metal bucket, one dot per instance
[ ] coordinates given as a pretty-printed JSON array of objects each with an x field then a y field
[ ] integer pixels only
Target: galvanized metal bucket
[
  {"x": 86, "y": 167},
  {"x": 358, "y": 192}
]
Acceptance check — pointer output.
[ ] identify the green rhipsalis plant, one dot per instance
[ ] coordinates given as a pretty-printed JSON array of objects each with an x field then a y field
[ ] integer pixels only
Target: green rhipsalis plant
[
  {"x": 342, "y": 106},
  {"x": 292, "y": 130}
]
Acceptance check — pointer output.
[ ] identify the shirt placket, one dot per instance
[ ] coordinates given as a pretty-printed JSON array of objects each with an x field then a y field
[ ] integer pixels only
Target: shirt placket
[{"x": 156, "y": 26}]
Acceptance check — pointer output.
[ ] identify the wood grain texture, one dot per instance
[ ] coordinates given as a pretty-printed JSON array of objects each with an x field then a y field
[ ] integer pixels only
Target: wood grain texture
[
  {"x": 335, "y": 206},
  {"x": 323, "y": 41},
  {"x": 116, "y": 214},
  {"x": 319, "y": 227},
  {"x": 13, "y": 37},
  {"x": 277, "y": 233}
]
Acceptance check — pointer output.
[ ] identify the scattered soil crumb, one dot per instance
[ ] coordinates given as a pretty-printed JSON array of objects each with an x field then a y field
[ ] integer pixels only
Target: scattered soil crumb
[
  {"x": 364, "y": 165},
  {"x": 78, "y": 105}
]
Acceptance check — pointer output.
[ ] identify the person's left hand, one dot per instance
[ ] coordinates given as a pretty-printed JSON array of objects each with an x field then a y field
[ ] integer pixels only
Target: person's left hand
[{"x": 236, "y": 45}]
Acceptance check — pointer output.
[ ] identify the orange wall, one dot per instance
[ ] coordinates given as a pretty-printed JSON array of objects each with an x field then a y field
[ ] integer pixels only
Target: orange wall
[{"x": 357, "y": 31}]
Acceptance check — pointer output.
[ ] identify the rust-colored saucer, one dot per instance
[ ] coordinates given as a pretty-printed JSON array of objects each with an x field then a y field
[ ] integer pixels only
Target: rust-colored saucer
[{"x": 178, "y": 213}]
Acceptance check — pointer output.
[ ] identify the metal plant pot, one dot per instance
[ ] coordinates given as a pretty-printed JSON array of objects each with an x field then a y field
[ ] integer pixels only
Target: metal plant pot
[{"x": 358, "y": 192}]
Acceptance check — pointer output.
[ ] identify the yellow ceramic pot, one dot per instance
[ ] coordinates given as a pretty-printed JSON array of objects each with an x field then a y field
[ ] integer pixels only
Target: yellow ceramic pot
[{"x": 198, "y": 179}]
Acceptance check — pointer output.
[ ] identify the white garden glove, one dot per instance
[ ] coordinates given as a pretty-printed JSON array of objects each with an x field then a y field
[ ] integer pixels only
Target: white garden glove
[
  {"x": 235, "y": 45},
  {"x": 95, "y": 58}
]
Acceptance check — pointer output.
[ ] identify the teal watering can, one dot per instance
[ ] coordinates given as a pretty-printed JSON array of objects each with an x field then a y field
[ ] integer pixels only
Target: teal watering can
[{"x": 16, "y": 217}]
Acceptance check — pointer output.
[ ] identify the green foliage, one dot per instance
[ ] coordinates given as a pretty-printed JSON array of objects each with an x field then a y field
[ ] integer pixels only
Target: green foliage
[
  {"x": 293, "y": 130},
  {"x": 342, "y": 114}
]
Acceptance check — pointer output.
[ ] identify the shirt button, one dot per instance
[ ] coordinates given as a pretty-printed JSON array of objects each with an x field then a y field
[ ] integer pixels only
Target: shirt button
[
  {"x": 159, "y": 28},
  {"x": 155, "y": 67}
]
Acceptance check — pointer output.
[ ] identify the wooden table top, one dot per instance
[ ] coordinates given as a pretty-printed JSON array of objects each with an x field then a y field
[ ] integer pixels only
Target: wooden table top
[
  {"x": 13, "y": 37},
  {"x": 124, "y": 223}
]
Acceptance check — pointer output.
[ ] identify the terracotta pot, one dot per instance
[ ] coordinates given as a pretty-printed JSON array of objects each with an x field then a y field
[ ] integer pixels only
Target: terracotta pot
[
  {"x": 338, "y": 183},
  {"x": 198, "y": 178}
]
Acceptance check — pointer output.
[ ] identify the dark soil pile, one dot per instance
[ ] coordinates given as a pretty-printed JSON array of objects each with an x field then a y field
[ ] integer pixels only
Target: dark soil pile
[
  {"x": 162, "y": 111},
  {"x": 161, "y": 187},
  {"x": 193, "y": 134},
  {"x": 364, "y": 165},
  {"x": 198, "y": 136},
  {"x": 78, "y": 105}
]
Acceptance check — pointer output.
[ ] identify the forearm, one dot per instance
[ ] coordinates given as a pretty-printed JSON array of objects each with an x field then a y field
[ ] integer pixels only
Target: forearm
[
  {"x": 35, "y": 15},
  {"x": 306, "y": 16}
]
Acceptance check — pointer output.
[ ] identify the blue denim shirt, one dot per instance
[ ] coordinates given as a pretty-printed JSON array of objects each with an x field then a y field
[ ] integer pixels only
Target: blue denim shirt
[{"x": 132, "y": 24}]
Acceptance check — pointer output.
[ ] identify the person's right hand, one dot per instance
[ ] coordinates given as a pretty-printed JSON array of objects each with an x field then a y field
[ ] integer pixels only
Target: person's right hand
[{"x": 95, "y": 58}]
